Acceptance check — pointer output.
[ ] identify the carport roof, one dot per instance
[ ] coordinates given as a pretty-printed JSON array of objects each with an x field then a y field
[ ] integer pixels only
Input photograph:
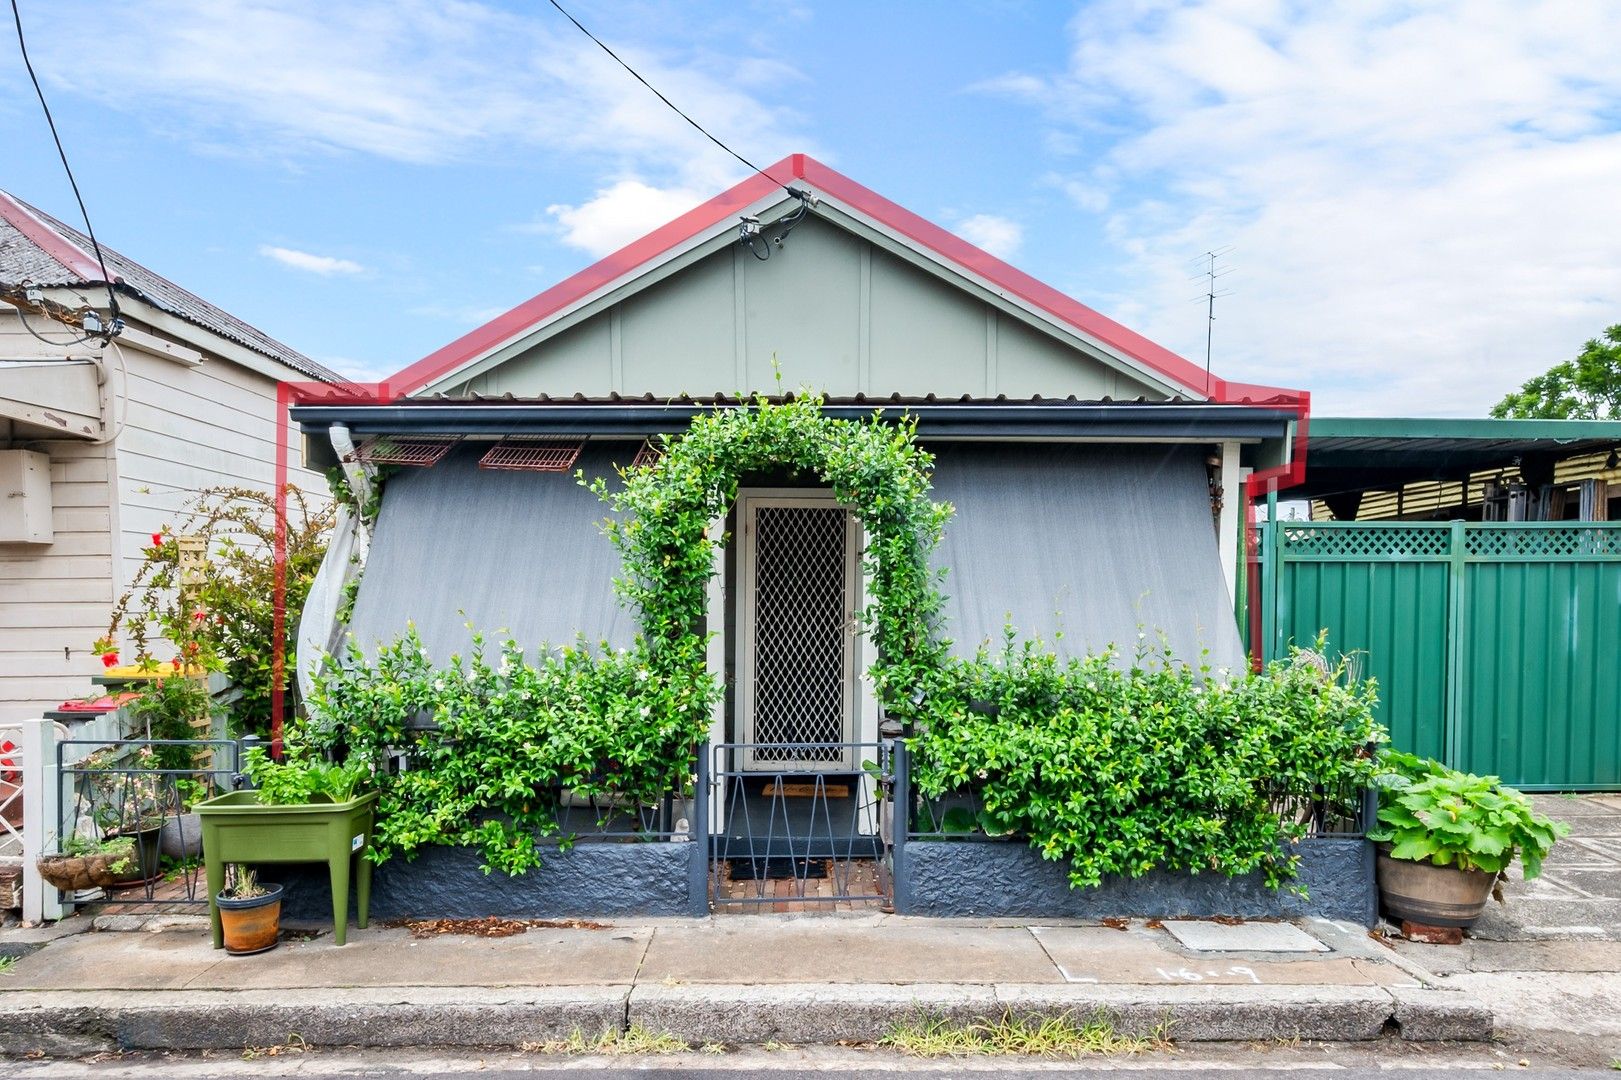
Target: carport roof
[{"x": 1379, "y": 453}]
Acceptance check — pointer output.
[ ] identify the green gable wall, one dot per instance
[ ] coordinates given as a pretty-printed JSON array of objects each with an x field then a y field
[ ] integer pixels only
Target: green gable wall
[{"x": 836, "y": 311}]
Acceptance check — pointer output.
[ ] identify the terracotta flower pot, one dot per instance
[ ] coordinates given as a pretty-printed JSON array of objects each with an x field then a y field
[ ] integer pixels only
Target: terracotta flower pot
[
  {"x": 1430, "y": 894},
  {"x": 252, "y": 925}
]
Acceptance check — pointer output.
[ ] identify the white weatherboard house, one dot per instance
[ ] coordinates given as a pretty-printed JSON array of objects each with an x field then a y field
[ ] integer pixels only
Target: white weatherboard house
[{"x": 103, "y": 444}]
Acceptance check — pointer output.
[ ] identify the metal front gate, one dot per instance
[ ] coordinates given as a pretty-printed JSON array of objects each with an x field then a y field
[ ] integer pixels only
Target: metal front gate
[
  {"x": 1494, "y": 644},
  {"x": 791, "y": 838},
  {"x": 796, "y": 658}
]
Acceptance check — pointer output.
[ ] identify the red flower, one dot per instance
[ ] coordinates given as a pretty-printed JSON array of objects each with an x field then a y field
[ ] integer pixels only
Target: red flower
[
  {"x": 157, "y": 539},
  {"x": 109, "y": 659},
  {"x": 175, "y": 663},
  {"x": 199, "y": 616}
]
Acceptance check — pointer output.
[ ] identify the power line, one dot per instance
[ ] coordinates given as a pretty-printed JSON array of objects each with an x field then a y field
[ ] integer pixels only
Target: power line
[
  {"x": 656, "y": 93},
  {"x": 106, "y": 278}
]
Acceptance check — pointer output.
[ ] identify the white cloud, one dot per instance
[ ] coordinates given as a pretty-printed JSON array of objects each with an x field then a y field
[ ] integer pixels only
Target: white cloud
[
  {"x": 620, "y": 213},
  {"x": 998, "y": 235},
  {"x": 325, "y": 265},
  {"x": 414, "y": 81},
  {"x": 1420, "y": 198}
]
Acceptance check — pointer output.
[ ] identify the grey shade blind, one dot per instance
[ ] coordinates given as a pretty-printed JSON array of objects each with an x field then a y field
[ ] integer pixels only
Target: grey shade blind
[
  {"x": 517, "y": 554},
  {"x": 1100, "y": 542}
]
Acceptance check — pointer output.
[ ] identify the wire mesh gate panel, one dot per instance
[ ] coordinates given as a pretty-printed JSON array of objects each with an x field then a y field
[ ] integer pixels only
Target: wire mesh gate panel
[{"x": 796, "y": 662}]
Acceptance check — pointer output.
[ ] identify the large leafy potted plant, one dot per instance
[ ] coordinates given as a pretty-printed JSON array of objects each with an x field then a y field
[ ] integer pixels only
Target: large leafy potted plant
[
  {"x": 1446, "y": 838},
  {"x": 302, "y": 810}
]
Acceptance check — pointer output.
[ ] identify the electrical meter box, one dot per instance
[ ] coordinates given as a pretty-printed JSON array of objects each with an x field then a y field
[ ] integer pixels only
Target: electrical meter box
[{"x": 25, "y": 497}]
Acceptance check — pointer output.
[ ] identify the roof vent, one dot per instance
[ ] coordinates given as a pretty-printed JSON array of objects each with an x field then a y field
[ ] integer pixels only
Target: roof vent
[
  {"x": 533, "y": 453},
  {"x": 420, "y": 452}
]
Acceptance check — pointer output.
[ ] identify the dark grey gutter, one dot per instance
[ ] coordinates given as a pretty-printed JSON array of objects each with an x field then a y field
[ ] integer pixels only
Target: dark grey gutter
[{"x": 1102, "y": 421}]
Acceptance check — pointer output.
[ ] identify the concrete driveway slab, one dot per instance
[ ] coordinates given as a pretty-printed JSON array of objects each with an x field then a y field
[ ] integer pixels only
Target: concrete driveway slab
[{"x": 774, "y": 951}]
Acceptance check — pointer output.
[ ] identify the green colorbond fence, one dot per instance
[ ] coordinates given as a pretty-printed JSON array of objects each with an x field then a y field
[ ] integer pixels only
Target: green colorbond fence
[{"x": 1497, "y": 645}]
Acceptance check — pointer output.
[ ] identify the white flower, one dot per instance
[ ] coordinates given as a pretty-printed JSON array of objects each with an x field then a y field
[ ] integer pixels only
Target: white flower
[
  {"x": 647, "y": 711},
  {"x": 642, "y": 675}
]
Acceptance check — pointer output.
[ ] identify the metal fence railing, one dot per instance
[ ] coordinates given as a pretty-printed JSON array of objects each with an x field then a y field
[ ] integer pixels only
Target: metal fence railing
[
  {"x": 784, "y": 837},
  {"x": 141, "y": 790}
]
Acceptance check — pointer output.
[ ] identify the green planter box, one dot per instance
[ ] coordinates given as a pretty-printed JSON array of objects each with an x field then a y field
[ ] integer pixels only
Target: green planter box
[{"x": 238, "y": 829}]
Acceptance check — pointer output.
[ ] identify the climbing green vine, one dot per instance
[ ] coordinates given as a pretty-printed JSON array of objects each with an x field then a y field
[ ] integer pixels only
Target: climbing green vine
[{"x": 493, "y": 741}]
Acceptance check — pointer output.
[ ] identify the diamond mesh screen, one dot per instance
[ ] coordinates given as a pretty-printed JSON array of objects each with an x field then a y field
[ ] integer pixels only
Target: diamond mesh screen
[{"x": 800, "y": 632}]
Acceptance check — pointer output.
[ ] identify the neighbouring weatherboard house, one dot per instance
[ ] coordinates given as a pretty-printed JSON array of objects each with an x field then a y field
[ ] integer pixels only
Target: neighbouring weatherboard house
[{"x": 103, "y": 443}]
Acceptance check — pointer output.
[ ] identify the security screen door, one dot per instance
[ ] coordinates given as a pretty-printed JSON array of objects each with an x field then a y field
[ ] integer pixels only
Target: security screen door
[{"x": 796, "y": 649}]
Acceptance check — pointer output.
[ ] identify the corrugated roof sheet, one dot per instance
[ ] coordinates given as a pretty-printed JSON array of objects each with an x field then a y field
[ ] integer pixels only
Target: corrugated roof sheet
[{"x": 21, "y": 259}]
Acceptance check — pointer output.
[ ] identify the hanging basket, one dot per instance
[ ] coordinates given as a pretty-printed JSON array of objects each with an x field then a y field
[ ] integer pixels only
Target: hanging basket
[{"x": 73, "y": 872}]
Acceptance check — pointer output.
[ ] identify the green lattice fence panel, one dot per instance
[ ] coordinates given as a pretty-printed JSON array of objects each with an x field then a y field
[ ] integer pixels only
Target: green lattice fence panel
[
  {"x": 1534, "y": 541},
  {"x": 1391, "y": 615},
  {"x": 1497, "y": 646},
  {"x": 1356, "y": 542}
]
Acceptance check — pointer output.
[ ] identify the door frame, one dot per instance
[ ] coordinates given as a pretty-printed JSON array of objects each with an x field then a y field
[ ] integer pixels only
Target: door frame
[{"x": 749, "y": 501}]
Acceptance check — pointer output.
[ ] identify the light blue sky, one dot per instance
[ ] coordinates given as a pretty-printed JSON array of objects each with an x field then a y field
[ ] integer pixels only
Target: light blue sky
[{"x": 1420, "y": 197}]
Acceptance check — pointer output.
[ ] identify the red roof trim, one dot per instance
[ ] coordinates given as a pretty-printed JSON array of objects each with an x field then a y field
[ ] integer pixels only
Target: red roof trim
[
  {"x": 926, "y": 234},
  {"x": 48, "y": 240}
]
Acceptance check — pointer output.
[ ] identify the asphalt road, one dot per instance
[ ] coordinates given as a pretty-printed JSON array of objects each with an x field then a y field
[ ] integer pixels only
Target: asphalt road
[{"x": 502, "y": 1066}]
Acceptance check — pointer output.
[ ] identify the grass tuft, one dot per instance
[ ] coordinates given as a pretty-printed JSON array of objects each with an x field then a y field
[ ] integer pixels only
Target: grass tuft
[
  {"x": 1034, "y": 1036},
  {"x": 634, "y": 1040},
  {"x": 6, "y": 964}
]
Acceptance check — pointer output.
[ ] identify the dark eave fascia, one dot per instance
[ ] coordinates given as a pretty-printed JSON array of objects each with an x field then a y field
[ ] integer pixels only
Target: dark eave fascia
[{"x": 1148, "y": 422}]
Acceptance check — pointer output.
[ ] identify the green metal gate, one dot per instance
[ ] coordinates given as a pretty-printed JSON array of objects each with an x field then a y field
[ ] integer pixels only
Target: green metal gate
[{"x": 1497, "y": 646}]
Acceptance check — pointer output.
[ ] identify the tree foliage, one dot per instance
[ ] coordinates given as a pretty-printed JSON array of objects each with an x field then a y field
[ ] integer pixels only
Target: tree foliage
[
  {"x": 225, "y": 621},
  {"x": 1586, "y": 388}
]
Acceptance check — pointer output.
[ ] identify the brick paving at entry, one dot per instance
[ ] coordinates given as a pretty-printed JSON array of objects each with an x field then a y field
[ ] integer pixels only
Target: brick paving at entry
[{"x": 789, "y": 895}]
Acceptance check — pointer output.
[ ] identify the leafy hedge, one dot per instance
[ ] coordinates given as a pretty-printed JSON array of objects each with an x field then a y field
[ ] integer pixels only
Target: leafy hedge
[
  {"x": 1119, "y": 769},
  {"x": 490, "y": 742}
]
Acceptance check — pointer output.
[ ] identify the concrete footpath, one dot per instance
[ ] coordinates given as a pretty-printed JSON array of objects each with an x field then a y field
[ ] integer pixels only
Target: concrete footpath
[{"x": 737, "y": 980}]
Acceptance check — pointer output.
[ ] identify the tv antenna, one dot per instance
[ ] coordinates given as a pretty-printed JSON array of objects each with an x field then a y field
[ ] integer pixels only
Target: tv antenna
[{"x": 1213, "y": 271}]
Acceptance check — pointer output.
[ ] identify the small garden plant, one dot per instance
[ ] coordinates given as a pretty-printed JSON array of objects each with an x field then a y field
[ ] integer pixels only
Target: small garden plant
[
  {"x": 302, "y": 777},
  {"x": 1430, "y": 813}
]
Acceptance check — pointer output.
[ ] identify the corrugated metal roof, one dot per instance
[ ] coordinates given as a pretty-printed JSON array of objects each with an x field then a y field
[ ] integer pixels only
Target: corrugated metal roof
[{"x": 24, "y": 260}]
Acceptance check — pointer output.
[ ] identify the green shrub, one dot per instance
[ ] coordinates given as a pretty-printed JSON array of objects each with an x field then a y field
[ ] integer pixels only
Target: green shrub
[
  {"x": 490, "y": 743},
  {"x": 1119, "y": 769},
  {"x": 1430, "y": 813}
]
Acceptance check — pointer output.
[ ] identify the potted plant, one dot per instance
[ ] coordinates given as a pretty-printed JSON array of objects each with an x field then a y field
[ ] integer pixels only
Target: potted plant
[
  {"x": 249, "y": 912},
  {"x": 1446, "y": 838},
  {"x": 302, "y": 810},
  {"x": 181, "y": 837},
  {"x": 88, "y": 864}
]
